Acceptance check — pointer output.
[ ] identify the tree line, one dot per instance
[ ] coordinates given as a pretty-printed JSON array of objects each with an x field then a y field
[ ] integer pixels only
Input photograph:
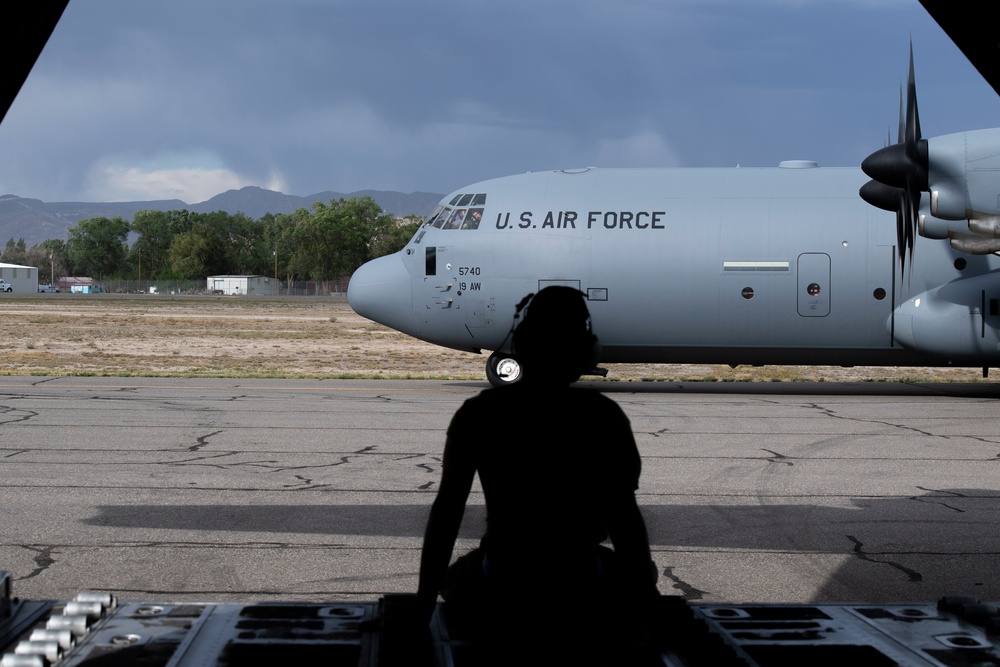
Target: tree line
[{"x": 323, "y": 244}]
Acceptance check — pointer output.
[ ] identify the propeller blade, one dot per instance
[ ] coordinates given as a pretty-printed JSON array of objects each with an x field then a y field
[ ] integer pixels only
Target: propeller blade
[
  {"x": 912, "y": 115},
  {"x": 900, "y": 172},
  {"x": 902, "y": 119},
  {"x": 901, "y": 232},
  {"x": 912, "y": 211}
]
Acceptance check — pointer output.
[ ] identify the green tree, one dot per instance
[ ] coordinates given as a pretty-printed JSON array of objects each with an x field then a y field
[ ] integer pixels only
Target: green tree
[
  {"x": 394, "y": 236},
  {"x": 15, "y": 252},
  {"x": 156, "y": 231},
  {"x": 96, "y": 247},
  {"x": 50, "y": 256},
  {"x": 335, "y": 239}
]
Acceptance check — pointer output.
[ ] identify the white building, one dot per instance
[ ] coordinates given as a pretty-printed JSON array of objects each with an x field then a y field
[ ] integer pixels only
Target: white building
[
  {"x": 241, "y": 285},
  {"x": 20, "y": 278}
]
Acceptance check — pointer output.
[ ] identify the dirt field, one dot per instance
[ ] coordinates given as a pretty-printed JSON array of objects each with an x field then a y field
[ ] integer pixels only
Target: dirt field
[{"x": 65, "y": 334}]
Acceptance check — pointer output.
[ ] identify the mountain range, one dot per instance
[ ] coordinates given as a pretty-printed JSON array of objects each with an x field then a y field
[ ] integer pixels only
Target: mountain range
[{"x": 35, "y": 220}]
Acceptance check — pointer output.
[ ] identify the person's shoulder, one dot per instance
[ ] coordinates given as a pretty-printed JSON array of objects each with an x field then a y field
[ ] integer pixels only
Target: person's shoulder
[
  {"x": 489, "y": 399},
  {"x": 594, "y": 396}
]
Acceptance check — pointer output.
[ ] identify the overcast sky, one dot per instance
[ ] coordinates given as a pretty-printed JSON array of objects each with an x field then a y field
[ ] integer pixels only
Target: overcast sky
[{"x": 156, "y": 99}]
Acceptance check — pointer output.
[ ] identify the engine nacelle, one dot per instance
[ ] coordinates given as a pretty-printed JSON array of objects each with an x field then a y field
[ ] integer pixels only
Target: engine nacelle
[
  {"x": 935, "y": 228},
  {"x": 962, "y": 174},
  {"x": 952, "y": 321}
]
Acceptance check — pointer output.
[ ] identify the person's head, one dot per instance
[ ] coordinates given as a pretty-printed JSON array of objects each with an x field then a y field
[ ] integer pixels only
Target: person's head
[{"x": 554, "y": 341}]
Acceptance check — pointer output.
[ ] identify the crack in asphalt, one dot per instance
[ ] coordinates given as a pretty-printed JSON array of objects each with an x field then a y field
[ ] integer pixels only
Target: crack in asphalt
[
  {"x": 830, "y": 413},
  {"x": 777, "y": 458},
  {"x": 932, "y": 501},
  {"x": 859, "y": 551},
  {"x": 342, "y": 461},
  {"x": 203, "y": 441},
  {"x": 307, "y": 483},
  {"x": 7, "y": 409},
  {"x": 688, "y": 592},
  {"x": 200, "y": 460},
  {"x": 43, "y": 559}
]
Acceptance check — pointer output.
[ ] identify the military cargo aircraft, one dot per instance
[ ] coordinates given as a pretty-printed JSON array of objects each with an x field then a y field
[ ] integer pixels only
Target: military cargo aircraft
[{"x": 782, "y": 265}]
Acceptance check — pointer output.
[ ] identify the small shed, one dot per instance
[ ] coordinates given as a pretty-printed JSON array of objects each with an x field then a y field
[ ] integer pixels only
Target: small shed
[
  {"x": 241, "y": 285},
  {"x": 79, "y": 285},
  {"x": 20, "y": 278}
]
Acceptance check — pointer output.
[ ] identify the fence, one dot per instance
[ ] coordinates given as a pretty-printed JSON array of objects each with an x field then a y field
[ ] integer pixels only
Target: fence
[{"x": 283, "y": 288}]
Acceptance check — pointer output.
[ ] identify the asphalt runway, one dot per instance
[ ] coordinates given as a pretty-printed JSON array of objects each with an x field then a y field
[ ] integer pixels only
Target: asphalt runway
[{"x": 177, "y": 489}]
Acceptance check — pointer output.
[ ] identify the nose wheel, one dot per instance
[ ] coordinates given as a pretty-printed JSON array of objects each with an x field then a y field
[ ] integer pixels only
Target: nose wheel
[{"x": 502, "y": 369}]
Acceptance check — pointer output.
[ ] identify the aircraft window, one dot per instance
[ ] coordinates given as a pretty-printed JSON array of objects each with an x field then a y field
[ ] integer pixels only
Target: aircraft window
[
  {"x": 419, "y": 236},
  {"x": 441, "y": 218},
  {"x": 454, "y": 201},
  {"x": 479, "y": 200},
  {"x": 456, "y": 220},
  {"x": 879, "y": 294},
  {"x": 813, "y": 289},
  {"x": 747, "y": 293},
  {"x": 960, "y": 264},
  {"x": 464, "y": 201},
  {"x": 473, "y": 219},
  {"x": 430, "y": 219}
]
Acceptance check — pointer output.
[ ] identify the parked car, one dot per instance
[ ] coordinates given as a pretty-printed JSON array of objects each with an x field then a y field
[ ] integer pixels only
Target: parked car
[
  {"x": 48, "y": 288},
  {"x": 5, "y": 286}
]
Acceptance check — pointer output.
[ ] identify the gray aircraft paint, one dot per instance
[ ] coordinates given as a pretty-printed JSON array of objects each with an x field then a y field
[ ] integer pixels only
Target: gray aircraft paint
[{"x": 740, "y": 265}]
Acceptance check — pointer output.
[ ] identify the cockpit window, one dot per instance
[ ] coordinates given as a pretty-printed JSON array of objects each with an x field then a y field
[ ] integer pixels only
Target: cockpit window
[
  {"x": 441, "y": 218},
  {"x": 456, "y": 220},
  {"x": 433, "y": 216},
  {"x": 473, "y": 218},
  {"x": 456, "y": 216}
]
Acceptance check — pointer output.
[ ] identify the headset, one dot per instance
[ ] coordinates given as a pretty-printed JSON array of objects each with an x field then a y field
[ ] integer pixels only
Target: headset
[{"x": 528, "y": 332}]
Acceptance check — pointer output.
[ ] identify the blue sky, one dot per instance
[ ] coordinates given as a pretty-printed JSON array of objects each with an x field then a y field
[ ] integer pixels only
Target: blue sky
[{"x": 185, "y": 99}]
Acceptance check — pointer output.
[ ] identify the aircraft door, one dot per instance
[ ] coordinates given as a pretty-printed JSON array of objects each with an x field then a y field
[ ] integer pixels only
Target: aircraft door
[
  {"x": 454, "y": 309},
  {"x": 813, "y": 284},
  {"x": 442, "y": 286}
]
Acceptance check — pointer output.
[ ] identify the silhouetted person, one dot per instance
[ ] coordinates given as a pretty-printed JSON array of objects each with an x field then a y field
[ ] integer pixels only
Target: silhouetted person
[{"x": 559, "y": 468}]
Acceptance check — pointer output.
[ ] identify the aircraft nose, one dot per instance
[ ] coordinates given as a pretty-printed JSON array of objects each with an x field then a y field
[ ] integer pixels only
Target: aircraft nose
[{"x": 380, "y": 291}]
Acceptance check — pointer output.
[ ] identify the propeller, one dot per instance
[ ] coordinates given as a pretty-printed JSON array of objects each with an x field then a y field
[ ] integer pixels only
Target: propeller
[{"x": 899, "y": 173}]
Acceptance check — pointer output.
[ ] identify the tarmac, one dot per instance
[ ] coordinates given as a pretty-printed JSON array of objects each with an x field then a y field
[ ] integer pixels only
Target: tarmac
[{"x": 314, "y": 490}]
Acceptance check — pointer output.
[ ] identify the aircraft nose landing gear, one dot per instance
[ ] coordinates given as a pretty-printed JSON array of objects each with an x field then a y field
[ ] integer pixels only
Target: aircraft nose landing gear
[{"x": 502, "y": 369}]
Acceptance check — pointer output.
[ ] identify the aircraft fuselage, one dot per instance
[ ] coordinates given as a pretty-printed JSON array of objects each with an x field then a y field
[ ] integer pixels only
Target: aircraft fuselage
[{"x": 781, "y": 265}]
